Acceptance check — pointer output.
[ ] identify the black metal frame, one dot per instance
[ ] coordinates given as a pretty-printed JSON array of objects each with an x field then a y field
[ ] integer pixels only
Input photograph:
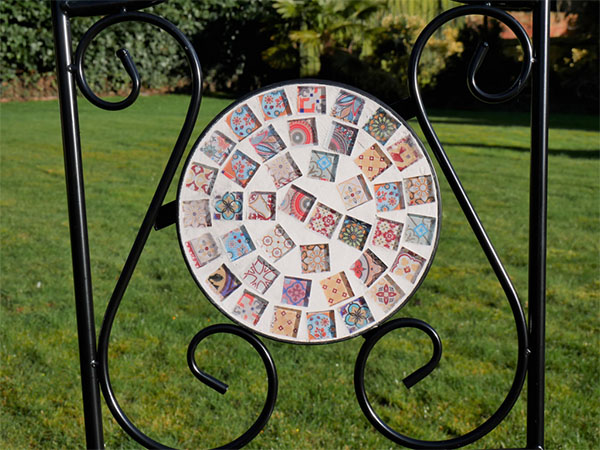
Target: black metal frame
[{"x": 94, "y": 355}]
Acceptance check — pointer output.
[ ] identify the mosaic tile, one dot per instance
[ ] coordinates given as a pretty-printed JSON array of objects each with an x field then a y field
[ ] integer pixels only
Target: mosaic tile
[
  {"x": 261, "y": 206},
  {"x": 296, "y": 291},
  {"x": 322, "y": 165},
  {"x": 354, "y": 232},
  {"x": 240, "y": 168},
  {"x": 283, "y": 170},
  {"x": 387, "y": 233},
  {"x": 242, "y": 121},
  {"x": 285, "y": 321},
  {"x": 408, "y": 265},
  {"x": 386, "y": 293},
  {"x": 276, "y": 243},
  {"x": 267, "y": 143},
  {"x": 356, "y": 314},
  {"x": 223, "y": 282},
  {"x": 311, "y": 99},
  {"x": 388, "y": 197},
  {"x": 237, "y": 243},
  {"x": 404, "y": 153},
  {"x": 348, "y": 107},
  {"x": 202, "y": 250},
  {"x": 419, "y": 190},
  {"x": 249, "y": 308},
  {"x": 419, "y": 229},
  {"x": 196, "y": 213},
  {"x": 372, "y": 162},
  {"x": 201, "y": 177},
  {"x": 218, "y": 147},
  {"x": 297, "y": 203},
  {"x": 228, "y": 206},
  {"x": 320, "y": 325},
  {"x": 336, "y": 288},
  {"x": 342, "y": 138},
  {"x": 303, "y": 132},
  {"x": 274, "y": 104},
  {"x": 260, "y": 275},
  {"x": 324, "y": 220},
  {"x": 381, "y": 126},
  {"x": 354, "y": 192},
  {"x": 315, "y": 258},
  {"x": 368, "y": 267}
]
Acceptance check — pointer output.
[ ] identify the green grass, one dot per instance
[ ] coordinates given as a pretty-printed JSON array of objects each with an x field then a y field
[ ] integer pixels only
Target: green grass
[{"x": 124, "y": 153}]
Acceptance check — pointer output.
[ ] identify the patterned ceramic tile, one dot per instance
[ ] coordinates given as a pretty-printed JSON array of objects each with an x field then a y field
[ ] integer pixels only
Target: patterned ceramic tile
[
  {"x": 404, "y": 152},
  {"x": 218, "y": 147},
  {"x": 321, "y": 325},
  {"x": 419, "y": 190},
  {"x": 354, "y": 232},
  {"x": 419, "y": 229},
  {"x": 196, "y": 213},
  {"x": 372, "y": 161},
  {"x": 324, "y": 220},
  {"x": 323, "y": 165},
  {"x": 386, "y": 294},
  {"x": 228, "y": 206},
  {"x": 285, "y": 321},
  {"x": 348, "y": 107},
  {"x": 356, "y": 314},
  {"x": 249, "y": 308},
  {"x": 354, "y": 191},
  {"x": 242, "y": 121},
  {"x": 237, "y": 243},
  {"x": 240, "y": 168},
  {"x": 368, "y": 267},
  {"x": 342, "y": 138},
  {"x": 261, "y": 206},
  {"x": 297, "y": 203},
  {"x": 274, "y": 104},
  {"x": 260, "y": 275},
  {"x": 381, "y": 126},
  {"x": 336, "y": 288},
  {"x": 223, "y": 282},
  {"x": 303, "y": 132},
  {"x": 408, "y": 264},
  {"x": 267, "y": 143},
  {"x": 387, "y": 233},
  {"x": 202, "y": 250},
  {"x": 311, "y": 99},
  {"x": 201, "y": 177},
  {"x": 283, "y": 170},
  {"x": 388, "y": 197},
  {"x": 276, "y": 243},
  {"x": 315, "y": 258},
  {"x": 296, "y": 291}
]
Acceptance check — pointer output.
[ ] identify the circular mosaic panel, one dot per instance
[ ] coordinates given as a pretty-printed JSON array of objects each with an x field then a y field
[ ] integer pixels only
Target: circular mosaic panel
[{"x": 308, "y": 212}]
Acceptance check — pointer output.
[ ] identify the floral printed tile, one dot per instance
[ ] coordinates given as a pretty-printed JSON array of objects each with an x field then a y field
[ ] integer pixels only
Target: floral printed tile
[
  {"x": 342, "y": 138},
  {"x": 356, "y": 314},
  {"x": 419, "y": 190},
  {"x": 322, "y": 165},
  {"x": 311, "y": 99},
  {"x": 196, "y": 214},
  {"x": 354, "y": 191},
  {"x": 404, "y": 152},
  {"x": 320, "y": 325},
  {"x": 381, "y": 126},
  {"x": 386, "y": 294},
  {"x": 388, "y": 197},
  {"x": 201, "y": 177},
  {"x": 336, "y": 288},
  {"x": 354, "y": 232},
  {"x": 260, "y": 275},
  {"x": 408, "y": 265},
  {"x": 303, "y": 132},
  {"x": 387, "y": 233},
  {"x": 324, "y": 220},
  {"x": 223, "y": 282},
  {"x": 202, "y": 250},
  {"x": 315, "y": 258},
  {"x": 274, "y": 104},
  {"x": 267, "y": 143},
  {"x": 218, "y": 147},
  {"x": 229, "y": 206},
  {"x": 237, "y": 243},
  {"x": 276, "y": 243},
  {"x": 419, "y": 229},
  {"x": 285, "y": 321},
  {"x": 348, "y": 107},
  {"x": 249, "y": 308},
  {"x": 296, "y": 291},
  {"x": 297, "y": 203},
  {"x": 261, "y": 206},
  {"x": 372, "y": 162},
  {"x": 368, "y": 267},
  {"x": 242, "y": 122},
  {"x": 283, "y": 170},
  {"x": 240, "y": 168}
]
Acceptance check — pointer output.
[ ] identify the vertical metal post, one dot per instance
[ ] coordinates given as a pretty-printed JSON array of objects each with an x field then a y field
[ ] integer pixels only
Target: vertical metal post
[
  {"x": 537, "y": 226},
  {"x": 86, "y": 328}
]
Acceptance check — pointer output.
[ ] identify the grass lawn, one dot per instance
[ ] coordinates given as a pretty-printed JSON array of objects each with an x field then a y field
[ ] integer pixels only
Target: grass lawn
[{"x": 124, "y": 153}]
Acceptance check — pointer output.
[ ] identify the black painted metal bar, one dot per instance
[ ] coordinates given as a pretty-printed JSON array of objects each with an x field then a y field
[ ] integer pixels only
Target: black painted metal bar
[{"x": 86, "y": 328}]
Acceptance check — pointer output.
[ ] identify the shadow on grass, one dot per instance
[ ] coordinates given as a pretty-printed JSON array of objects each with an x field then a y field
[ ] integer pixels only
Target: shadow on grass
[{"x": 585, "y": 154}]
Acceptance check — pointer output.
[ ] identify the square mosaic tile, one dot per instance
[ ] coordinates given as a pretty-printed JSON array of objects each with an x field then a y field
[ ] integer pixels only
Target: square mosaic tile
[
  {"x": 196, "y": 213},
  {"x": 388, "y": 196},
  {"x": 202, "y": 250},
  {"x": 311, "y": 99},
  {"x": 320, "y": 325},
  {"x": 296, "y": 291},
  {"x": 315, "y": 258},
  {"x": 336, "y": 288},
  {"x": 267, "y": 143},
  {"x": 354, "y": 191},
  {"x": 348, "y": 107},
  {"x": 283, "y": 170},
  {"x": 237, "y": 243},
  {"x": 228, "y": 206},
  {"x": 387, "y": 233},
  {"x": 276, "y": 243},
  {"x": 342, "y": 138},
  {"x": 419, "y": 229},
  {"x": 249, "y": 308},
  {"x": 303, "y": 132},
  {"x": 260, "y": 275},
  {"x": 419, "y": 190},
  {"x": 324, "y": 220},
  {"x": 297, "y": 203},
  {"x": 322, "y": 165},
  {"x": 242, "y": 122},
  {"x": 368, "y": 267},
  {"x": 285, "y": 321},
  {"x": 386, "y": 293},
  {"x": 261, "y": 206},
  {"x": 354, "y": 232},
  {"x": 408, "y": 265},
  {"x": 381, "y": 126},
  {"x": 372, "y": 161},
  {"x": 218, "y": 147},
  {"x": 240, "y": 168},
  {"x": 356, "y": 314},
  {"x": 404, "y": 152},
  {"x": 274, "y": 104},
  {"x": 223, "y": 282},
  {"x": 201, "y": 177}
]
